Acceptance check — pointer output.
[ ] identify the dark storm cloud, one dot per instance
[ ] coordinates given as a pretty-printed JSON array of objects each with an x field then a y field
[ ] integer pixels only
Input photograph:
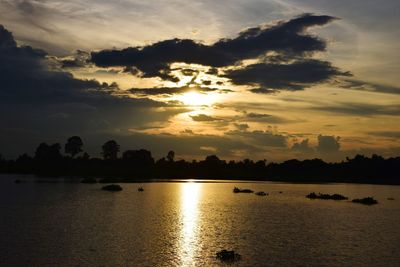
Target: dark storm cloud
[
  {"x": 287, "y": 38},
  {"x": 36, "y": 98},
  {"x": 25, "y": 76},
  {"x": 71, "y": 63},
  {"x": 293, "y": 76}
]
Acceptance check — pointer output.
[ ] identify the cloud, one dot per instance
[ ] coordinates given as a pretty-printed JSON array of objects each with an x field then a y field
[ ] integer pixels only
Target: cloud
[
  {"x": 293, "y": 76},
  {"x": 288, "y": 38},
  {"x": 186, "y": 145},
  {"x": 361, "y": 109},
  {"x": 189, "y": 72},
  {"x": 187, "y": 131},
  {"x": 328, "y": 144},
  {"x": 268, "y": 118},
  {"x": 260, "y": 138},
  {"x": 26, "y": 76},
  {"x": 209, "y": 149},
  {"x": 79, "y": 60},
  {"x": 172, "y": 90},
  {"x": 203, "y": 118},
  {"x": 388, "y": 134},
  {"x": 302, "y": 146},
  {"x": 50, "y": 102},
  {"x": 241, "y": 126},
  {"x": 369, "y": 86},
  {"x": 263, "y": 91}
]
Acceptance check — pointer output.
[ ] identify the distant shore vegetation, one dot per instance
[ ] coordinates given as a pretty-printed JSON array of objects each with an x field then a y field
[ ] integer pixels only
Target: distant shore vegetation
[{"x": 132, "y": 165}]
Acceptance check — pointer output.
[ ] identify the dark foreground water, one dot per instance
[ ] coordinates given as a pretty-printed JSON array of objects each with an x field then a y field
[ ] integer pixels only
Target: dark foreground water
[{"x": 185, "y": 224}]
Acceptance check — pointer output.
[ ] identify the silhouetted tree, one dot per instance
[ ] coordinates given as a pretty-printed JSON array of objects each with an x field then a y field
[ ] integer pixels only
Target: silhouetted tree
[
  {"x": 24, "y": 158},
  {"x": 48, "y": 152},
  {"x": 377, "y": 158},
  {"x": 161, "y": 161},
  {"x": 139, "y": 164},
  {"x": 110, "y": 150},
  {"x": 73, "y": 146},
  {"x": 212, "y": 158},
  {"x": 2, "y": 164},
  {"x": 138, "y": 157},
  {"x": 261, "y": 163},
  {"x": 85, "y": 156},
  {"x": 171, "y": 156}
]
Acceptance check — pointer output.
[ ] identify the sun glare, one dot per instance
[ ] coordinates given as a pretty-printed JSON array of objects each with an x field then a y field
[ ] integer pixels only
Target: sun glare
[{"x": 197, "y": 99}]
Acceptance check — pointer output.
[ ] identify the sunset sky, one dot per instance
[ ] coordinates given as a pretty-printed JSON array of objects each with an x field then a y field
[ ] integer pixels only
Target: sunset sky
[{"x": 240, "y": 79}]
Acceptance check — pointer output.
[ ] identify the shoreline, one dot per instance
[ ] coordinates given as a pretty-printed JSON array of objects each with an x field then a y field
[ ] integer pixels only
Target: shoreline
[{"x": 32, "y": 178}]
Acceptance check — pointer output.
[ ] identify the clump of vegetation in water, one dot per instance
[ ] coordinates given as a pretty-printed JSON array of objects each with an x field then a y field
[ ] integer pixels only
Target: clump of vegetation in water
[
  {"x": 261, "y": 193},
  {"x": 89, "y": 181},
  {"x": 238, "y": 190},
  {"x": 228, "y": 255},
  {"x": 112, "y": 187},
  {"x": 326, "y": 196},
  {"x": 365, "y": 201}
]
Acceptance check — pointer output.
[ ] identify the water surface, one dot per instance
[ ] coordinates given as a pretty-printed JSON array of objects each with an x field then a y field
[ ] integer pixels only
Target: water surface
[{"x": 186, "y": 223}]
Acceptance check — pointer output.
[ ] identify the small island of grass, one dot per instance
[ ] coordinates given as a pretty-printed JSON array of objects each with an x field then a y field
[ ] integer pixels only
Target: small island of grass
[
  {"x": 365, "y": 201},
  {"x": 326, "y": 196},
  {"x": 228, "y": 255},
  {"x": 238, "y": 190},
  {"x": 112, "y": 188}
]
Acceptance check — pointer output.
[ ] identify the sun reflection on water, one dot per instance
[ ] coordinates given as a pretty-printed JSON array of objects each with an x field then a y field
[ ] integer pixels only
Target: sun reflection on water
[{"x": 190, "y": 193}]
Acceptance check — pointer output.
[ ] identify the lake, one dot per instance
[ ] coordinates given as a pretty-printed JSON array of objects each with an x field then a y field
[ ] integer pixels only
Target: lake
[{"x": 185, "y": 223}]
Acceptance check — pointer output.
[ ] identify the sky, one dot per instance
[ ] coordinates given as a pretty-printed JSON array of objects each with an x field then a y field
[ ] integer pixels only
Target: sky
[{"x": 271, "y": 79}]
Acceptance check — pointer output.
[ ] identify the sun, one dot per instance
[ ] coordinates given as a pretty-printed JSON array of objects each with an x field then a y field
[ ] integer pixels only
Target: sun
[{"x": 197, "y": 99}]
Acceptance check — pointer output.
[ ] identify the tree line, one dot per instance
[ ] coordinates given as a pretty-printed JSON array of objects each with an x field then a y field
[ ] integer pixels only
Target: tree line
[{"x": 134, "y": 165}]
